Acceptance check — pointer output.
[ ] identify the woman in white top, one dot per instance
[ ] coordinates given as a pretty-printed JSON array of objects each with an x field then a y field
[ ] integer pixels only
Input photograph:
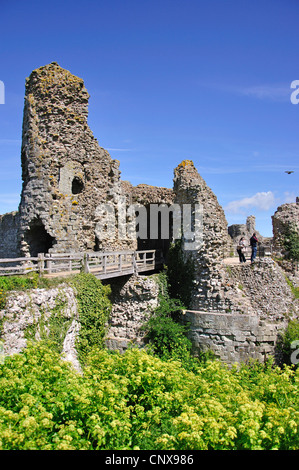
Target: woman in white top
[{"x": 241, "y": 248}]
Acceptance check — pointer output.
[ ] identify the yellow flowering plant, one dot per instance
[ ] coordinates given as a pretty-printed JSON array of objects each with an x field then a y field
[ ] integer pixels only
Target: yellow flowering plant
[{"x": 135, "y": 400}]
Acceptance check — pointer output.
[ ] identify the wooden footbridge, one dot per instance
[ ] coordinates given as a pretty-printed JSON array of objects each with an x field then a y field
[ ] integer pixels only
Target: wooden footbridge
[{"x": 103, "y": 265}]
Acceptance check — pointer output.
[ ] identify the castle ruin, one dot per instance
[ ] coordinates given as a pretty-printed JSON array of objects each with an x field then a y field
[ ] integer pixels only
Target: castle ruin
[{"x": 67, "y": 178}]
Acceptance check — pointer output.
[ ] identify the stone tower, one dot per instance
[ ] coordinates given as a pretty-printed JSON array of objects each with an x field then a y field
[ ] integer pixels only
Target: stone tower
[
  {"x": 286, "y": 217},
  {"x": 190, "y": 188},
  {"x": 65, "y": 172}
]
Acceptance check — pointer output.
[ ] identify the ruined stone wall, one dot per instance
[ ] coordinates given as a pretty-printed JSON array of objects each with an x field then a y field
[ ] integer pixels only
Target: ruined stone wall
[
  {"x": 190, "y": 188},
  {"x": 28, "y": 315},
  {"x": 236, "y": 231},
  {"x": 259, "y": 304},
  {"x": 145, "y": 194},
  {"x": 66, "y": 174},
  {"x": 9, "y": 232},
  {"x": 285, "y": 217},
  {"x": 264, "y": 284},
  {"x": 233, "y": 338},
  {"x": 134, "y": 300}
]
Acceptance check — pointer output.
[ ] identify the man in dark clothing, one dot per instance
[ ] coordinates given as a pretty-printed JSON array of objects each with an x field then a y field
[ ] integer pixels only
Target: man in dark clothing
[{"x": 253, "y": 244}]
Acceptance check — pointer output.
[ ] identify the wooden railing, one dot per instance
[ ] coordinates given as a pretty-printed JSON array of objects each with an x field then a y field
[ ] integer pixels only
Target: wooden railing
[{"x": 103, "y": 265}]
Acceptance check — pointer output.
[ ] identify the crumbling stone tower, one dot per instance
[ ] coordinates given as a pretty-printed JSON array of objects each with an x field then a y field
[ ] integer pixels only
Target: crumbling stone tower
[
  {"x": 190, "y": 188},
  {"x": 65, "y": 172},
  {"x": 286, "y": 217}
]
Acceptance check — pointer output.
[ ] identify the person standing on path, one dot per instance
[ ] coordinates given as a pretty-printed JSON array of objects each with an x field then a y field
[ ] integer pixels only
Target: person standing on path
[
  {"x": 253, "y": 244},
  {"x": 241, "y": 249}
]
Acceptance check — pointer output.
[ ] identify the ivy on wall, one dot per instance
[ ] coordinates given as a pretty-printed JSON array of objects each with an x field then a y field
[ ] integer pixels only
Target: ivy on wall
[
  {"x": 94, "y": 308},
  {"x": 93, "y": 304},
  {"x": 51, "y": 327},
  {"x": 180, "y": 274}
]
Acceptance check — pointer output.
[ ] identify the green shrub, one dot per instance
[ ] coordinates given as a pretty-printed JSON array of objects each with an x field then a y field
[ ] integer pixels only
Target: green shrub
[
  {"x": 291, "y": 243},
  {"x": 136, "y": 401},
  {"x": 24, "y": 282},
  {"x": 94, "y": 308},
  {"x": 287, "y": 340},
  {"x": 165, "y": 334},
  {"x": 180, "y": 274}
]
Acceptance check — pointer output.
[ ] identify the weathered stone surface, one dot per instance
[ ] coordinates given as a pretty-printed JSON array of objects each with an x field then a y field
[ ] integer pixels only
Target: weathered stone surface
[
  {"x": 285, "y": 217},
  {"x": 31, "y": 311},
  {"x": 134, "y": 300},
  {"x": 28, "y": 315},
  {"x": 9, "y": 230},
  {"x": 190, "y": 188},
  {"x": 264, "y": 284},
  {"x": 66, "y": 174},
  {"x": 261, "y": 304},
  {"x": 236, "y": 231},
  {"x": 145, "y": 194},
  {"x": 233, "y": 338}
]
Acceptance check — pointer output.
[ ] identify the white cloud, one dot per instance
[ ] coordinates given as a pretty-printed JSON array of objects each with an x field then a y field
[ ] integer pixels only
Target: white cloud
[
  {"x": 267, "y": 92},
  {"x": 289, "y": 197},
  {"x": 270, "y": 92},
  {"x": 262, "y": 201}
]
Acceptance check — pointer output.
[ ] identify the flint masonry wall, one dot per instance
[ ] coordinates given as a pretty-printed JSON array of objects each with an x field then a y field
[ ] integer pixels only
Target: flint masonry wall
[
  {"x": 232, "y": 338},
  {"x": 9, "y": 231},
  {"x": 66, "y": 174},
  {"x": 28, "y": 315},
  {"x": 286, "y": 216},
  {"x": 190, "y": 188},
  {"x": 266, "y": 304},
  {"x": 134, "y": 300}
]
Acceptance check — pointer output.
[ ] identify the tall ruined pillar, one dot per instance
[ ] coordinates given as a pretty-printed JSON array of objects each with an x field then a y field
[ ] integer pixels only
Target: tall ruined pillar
[
  {"x": 250, "y": 225},
  {"x": 286, "y": 217},
  {"x": 190, "y": 188},
  {"x": 65, "y": 173}
]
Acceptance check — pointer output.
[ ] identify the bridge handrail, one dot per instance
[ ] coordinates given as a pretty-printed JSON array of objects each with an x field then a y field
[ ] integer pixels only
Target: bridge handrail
[{"x": 105, "y": 263}]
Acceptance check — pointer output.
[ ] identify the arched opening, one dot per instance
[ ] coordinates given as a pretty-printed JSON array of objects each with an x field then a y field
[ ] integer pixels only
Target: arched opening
[
  {"x": 38, "y": 239},
  {"x": 77, "y": 185}
]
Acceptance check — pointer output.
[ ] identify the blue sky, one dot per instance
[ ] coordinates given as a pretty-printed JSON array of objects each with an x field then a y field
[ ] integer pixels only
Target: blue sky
[{"x": 169, "y": 80}]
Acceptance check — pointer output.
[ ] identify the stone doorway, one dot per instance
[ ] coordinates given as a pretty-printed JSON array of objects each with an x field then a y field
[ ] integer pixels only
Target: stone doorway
[{"x": 37, "y": 238}]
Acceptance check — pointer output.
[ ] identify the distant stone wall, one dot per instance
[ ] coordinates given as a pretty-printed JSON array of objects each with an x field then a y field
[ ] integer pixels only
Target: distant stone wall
[
  {"x": 145, "y": 194},
  {"x": 9, "y": 231},
  {"x": 236, "y": 231}
]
